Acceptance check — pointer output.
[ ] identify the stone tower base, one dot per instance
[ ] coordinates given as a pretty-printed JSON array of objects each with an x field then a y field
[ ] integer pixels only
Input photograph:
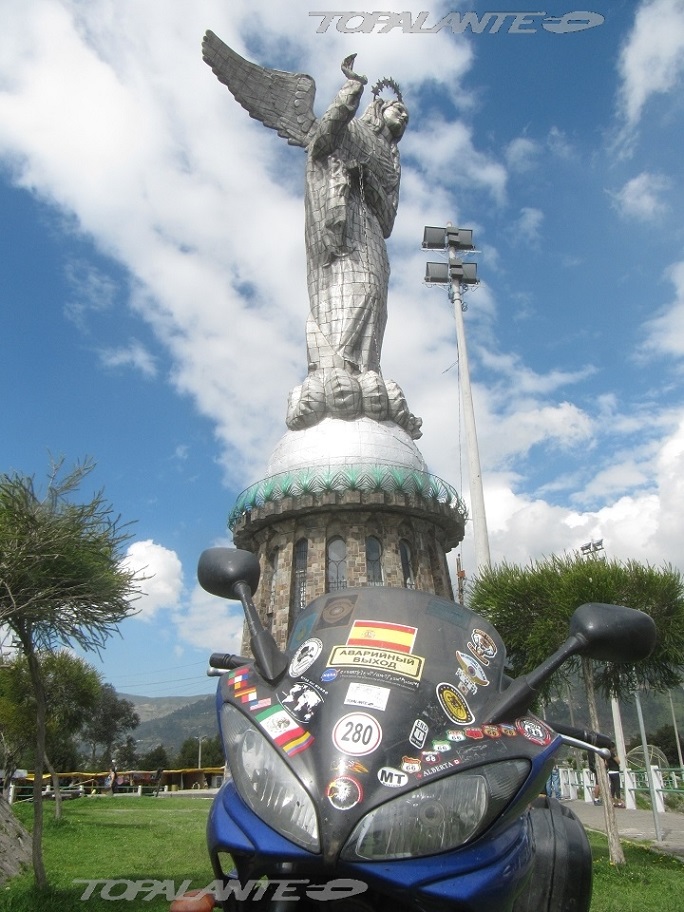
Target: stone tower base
[{"x": 292, "y": 536}]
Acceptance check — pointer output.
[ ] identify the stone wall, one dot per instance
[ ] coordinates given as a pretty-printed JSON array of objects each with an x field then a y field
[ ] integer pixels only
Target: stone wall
[{"x": 430, "y": 529}]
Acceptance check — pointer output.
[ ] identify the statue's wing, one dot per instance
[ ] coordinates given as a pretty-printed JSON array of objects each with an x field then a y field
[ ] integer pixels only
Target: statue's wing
[{"x": 280, "y": 100}]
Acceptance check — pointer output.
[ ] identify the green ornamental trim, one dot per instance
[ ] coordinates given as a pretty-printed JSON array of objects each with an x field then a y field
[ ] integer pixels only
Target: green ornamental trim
[{"x": 369, "y": 479}]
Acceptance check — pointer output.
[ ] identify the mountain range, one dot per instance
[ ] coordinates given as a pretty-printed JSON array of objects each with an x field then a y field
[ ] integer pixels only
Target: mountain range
[{"x": 171, "y": 720}]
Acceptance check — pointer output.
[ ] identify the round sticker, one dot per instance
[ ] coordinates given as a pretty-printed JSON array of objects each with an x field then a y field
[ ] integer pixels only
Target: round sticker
[
  {"x": 357, "y": 734},
  {"x": 391, "y": 777},
  {"x": 336, "y": 611},
  {"x": 344, "y": 793},
  {"x": 472, "y": 668},
  {"x": 454, "y": 705},
  {"x": 534, "y": 730},
  {"x": 482, "y": 646},
  {"x": 305, "y": 656}
]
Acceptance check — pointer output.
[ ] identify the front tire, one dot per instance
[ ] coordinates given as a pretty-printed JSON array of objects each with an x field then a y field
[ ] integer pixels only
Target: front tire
[{"x": 561, "y": 878}]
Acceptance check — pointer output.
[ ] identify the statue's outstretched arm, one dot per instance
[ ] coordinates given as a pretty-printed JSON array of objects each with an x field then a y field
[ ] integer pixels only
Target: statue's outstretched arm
[
  {"x": 330, "y": 127},
  {"x": 280, "y": 100}
]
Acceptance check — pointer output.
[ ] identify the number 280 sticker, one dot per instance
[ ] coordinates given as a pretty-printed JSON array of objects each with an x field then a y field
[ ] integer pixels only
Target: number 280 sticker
[{"x": 357, "y": 734}]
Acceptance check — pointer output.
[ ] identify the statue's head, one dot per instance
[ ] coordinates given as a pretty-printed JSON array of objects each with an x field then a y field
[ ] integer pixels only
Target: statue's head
[
  {"x": 392, "y": 115},
  {"x": 396, "y": 117}
]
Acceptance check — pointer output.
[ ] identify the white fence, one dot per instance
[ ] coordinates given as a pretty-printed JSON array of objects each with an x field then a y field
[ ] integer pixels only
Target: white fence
[{"x": 666, "y": 781}]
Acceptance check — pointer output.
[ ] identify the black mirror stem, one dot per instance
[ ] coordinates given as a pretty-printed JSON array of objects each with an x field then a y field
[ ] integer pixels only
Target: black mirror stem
[
  {"x": 270, "y": 661},
  {"x": 522, "y": 693}
]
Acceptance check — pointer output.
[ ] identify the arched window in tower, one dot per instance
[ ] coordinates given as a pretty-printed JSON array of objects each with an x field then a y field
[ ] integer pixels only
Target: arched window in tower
[
  {"x": 272, "y": 593},
  {"x": 406, "y": 564},
  {"x": 373, "y": 561},
  {"x": 336, "y": 570},
  {"x": 301, "y": 553}
]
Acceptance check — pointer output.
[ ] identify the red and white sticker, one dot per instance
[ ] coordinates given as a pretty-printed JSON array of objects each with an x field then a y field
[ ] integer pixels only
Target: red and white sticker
[{"x": 357, "y": 734}]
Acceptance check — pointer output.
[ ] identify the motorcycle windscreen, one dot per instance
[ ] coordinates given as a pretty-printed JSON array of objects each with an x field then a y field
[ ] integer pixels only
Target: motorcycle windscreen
[{"x": 383, "y": 691}]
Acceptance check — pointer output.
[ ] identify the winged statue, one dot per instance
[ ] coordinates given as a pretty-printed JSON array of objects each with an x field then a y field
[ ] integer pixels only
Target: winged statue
[{"x": 352, "y": 193}]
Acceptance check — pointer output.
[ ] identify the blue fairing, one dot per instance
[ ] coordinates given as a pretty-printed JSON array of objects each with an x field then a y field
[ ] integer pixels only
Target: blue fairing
[
  {"x": 489, "y": 871},
  {"x": 230, "y": 822}
]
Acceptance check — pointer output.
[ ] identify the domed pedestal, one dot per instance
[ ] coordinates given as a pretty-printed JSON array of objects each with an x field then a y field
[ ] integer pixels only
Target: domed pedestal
[{"x": 345, "y": 503}]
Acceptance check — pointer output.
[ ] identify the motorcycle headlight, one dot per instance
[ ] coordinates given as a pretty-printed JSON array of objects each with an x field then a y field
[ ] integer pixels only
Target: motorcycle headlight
[
  {"x": 439, "y": 816},
  {"x": 265, "y": 783}
]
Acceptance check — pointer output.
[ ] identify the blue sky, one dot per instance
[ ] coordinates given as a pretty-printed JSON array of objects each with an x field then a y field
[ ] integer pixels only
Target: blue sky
[{"x": 152, "y": 284}]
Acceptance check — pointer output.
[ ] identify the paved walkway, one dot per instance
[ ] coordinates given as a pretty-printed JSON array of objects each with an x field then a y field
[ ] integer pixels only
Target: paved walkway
[{"x": 637, "y": 825}]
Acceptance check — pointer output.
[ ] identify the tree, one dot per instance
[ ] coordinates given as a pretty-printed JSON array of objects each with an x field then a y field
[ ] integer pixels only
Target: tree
[
  {"x": 71, "y": 687},
  {"x": 111, "y": 718},
  {"x": 127, "y": 754},
  {"x": 531, "y": 607},
  {"x": 15, "y": 736},
  {"x": 62, "y": 581},
  {"x": 157, "y": 758},
  {"x": 212, "y": 753},
  {"x": 15, "y": 843}
]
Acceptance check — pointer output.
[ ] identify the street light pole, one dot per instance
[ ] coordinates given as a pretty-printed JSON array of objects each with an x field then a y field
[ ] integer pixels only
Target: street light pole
[
  {"x": 649, "y": 771},
  {"x": 459, "y": 275},
  {"x": 676, "y": 733},
  {"x": 482, "y": 557}
]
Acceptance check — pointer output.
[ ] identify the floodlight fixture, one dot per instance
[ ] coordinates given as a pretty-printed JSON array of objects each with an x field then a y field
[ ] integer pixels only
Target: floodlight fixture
[
  {"x": 466, "y": 273},
  {"x": 448, "y": 238},
  {"x": 455, "y": 271},
  {"x": 437, "y": 273},
  {"x": 592, "y": 547}
]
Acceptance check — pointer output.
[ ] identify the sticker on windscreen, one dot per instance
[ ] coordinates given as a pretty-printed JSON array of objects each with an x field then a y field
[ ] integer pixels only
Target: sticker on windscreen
[
  {"x": 357, "y": 734},
  {"x": 305, "y": 656}
]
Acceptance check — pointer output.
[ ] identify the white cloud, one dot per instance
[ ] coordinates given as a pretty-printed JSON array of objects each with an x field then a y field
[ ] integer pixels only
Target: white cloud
[
  {"x": 642, "y": 197},
  {"x": 664, "y": 334},
  {"x": 162, "y": 579},
  {"x": 521, "y": 154},
  {"x": 445, "y": 152},
  {"x": 210, "y": 623},
  {"x": 652, "y": 60},
  {"x": 92, "y": 291},
  {"x": 133, "y": 355},
  {"x": 559, "y": 144},
  {"x": 527, "y": 227}
]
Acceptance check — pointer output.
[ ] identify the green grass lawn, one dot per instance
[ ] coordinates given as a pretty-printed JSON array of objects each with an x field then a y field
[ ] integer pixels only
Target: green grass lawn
[
  {"x": 120, "y": 838},
  {"x": 163, "y": 839},
  {"x": 649, "y": 882}
]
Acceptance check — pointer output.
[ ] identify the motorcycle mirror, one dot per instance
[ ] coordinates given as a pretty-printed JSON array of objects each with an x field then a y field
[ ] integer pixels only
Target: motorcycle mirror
[
  {"x": 219, "y": 569},
  {"x": 609, "y": 633},
  {"x": 613, "y": 633},
  {"x": 234, "y": 574}
]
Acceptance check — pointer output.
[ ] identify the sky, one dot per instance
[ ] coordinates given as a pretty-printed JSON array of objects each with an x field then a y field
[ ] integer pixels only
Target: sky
[{"x": 152, "y": 274}]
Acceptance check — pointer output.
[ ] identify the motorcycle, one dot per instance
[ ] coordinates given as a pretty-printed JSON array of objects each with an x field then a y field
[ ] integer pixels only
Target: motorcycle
[{"x": 386, "y": 759}]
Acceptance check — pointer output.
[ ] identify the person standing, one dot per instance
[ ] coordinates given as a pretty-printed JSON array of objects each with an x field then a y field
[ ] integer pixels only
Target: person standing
[{"x": 613, "y": 764}]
